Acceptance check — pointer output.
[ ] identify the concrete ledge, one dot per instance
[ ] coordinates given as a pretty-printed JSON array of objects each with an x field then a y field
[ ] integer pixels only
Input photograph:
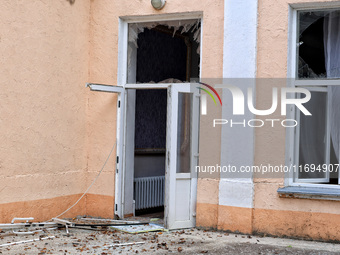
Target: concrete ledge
[{"x": 309, "y": 193}]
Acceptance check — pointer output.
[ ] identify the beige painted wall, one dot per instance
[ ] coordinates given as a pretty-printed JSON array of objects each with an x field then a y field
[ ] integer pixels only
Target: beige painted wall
[
  {"x": 272, "y": 48},
  {"x": 103, "y": 69},
  {"x": 43, "y": 69},
  {"x": 55, "y": 134}
]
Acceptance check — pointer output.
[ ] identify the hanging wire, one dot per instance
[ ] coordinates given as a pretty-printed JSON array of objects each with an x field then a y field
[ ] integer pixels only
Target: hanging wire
[{"x": 101, "y": 170}]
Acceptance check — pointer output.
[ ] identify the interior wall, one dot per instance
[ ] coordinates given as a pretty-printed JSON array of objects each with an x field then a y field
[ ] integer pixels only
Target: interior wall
[
  {"x": 150, "y": 132},
  {"x": 160, "y": 56},
  {"x": 149, "y": 165},
  {"x": 150, "y": 120},
  {"x": 44, "y": 66}
]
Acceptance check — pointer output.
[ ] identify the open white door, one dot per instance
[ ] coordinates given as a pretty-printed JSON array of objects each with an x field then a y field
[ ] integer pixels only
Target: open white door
[
  {"x": 181, "y": 158},
  {"x": 119, "y": 184}
]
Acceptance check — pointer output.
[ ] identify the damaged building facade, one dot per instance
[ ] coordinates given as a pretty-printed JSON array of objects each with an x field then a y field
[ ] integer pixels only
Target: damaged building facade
[{"x": 138, "y": 63}]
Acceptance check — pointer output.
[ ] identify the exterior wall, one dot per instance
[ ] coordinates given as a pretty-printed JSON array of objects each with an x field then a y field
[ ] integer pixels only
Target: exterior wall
[
  {"x": 237, "y": 148},
  {"x": 51, "y": 150},
  {"x": 269, "y": 214},
  {"x": 57, "y": 134},
  {"x": 44, "y": 67},
  {"x": 315, "y": 219},
  {"x": 103, "y": 69}
]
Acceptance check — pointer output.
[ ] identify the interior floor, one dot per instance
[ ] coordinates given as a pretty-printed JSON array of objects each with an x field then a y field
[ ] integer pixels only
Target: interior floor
[
  {"x": 159, "y": 209},
  {"x": 154, "y": 217}
]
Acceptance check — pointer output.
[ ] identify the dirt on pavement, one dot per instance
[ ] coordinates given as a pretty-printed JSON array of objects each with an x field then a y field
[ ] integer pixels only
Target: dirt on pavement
[{"x": 189, "y": 241}]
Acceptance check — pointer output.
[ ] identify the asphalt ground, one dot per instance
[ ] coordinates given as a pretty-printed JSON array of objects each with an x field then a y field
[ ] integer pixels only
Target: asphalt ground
[{"x": 189, "y": 241}]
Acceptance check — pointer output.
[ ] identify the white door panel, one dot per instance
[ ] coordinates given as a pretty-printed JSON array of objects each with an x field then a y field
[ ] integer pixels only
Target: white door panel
[
  {"x": 182, "y": 151},
  {"x": 183, "y": 194}
]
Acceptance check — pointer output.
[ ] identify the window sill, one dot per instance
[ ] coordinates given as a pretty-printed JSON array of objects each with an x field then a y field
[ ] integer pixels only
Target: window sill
[{"x": 309, "y": 193}]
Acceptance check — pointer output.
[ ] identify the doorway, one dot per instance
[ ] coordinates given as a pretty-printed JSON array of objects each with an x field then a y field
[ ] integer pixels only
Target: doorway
[
  {"x": 150, "y": 149},
  {"x": 159, "y": 55}
]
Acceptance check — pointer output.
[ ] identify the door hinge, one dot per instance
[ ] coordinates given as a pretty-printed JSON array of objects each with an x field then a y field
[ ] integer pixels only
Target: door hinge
[
  {"x": 116, "y": 207},
  {"x": 119, "y": 104},
  {"x": 117, "y": 159},
  {"x": 117, "y": 170}
]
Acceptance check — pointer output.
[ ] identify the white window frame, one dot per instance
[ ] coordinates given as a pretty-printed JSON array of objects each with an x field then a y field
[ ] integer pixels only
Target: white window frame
[{"x": 292, "y": 135}]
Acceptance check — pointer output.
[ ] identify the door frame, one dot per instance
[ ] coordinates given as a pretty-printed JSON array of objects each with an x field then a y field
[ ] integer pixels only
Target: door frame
[
  {"x": 122, "y": 78},
  {"x": 119, "y": 173}
]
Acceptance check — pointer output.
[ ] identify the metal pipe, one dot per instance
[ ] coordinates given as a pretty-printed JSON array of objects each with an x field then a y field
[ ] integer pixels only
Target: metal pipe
[
  {"x": 26, "y": 225},
  {"x": 27, "y": 241}
]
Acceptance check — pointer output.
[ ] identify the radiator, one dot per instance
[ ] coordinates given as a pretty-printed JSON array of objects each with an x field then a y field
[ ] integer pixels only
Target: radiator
[{"x": 149, "y": 192}]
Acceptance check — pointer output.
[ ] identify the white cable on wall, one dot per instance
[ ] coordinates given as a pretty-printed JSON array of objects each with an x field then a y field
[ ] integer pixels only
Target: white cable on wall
[{"x": 89, "y": 186}]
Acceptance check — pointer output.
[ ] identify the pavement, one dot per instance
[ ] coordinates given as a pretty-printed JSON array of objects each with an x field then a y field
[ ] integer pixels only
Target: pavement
[{"x": 189, "y": 241}]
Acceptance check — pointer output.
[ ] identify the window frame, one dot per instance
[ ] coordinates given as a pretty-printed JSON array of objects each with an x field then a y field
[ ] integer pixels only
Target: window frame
[{"x": 321, "y": 85}]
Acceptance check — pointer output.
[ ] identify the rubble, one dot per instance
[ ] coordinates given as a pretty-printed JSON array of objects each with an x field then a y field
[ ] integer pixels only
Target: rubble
[{"x": 189, "y": 241}]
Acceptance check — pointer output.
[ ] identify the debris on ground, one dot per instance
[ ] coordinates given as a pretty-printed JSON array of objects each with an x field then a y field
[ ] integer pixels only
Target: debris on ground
[
  {"x": 98, "y": 236},
  {"x": 135, "y": 229},
  {"x": 189, "y": 241}
]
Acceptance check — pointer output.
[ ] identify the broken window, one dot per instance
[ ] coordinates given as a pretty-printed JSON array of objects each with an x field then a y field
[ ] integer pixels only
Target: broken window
[
  {"x": 318, "y": 68},
  {"x": 161, "y": 52}
]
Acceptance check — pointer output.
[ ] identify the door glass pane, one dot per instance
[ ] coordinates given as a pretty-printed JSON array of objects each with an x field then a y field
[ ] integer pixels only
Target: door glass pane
[
  {"x": 184, "y": 132},
  {"x": 313, "y": 136}
]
